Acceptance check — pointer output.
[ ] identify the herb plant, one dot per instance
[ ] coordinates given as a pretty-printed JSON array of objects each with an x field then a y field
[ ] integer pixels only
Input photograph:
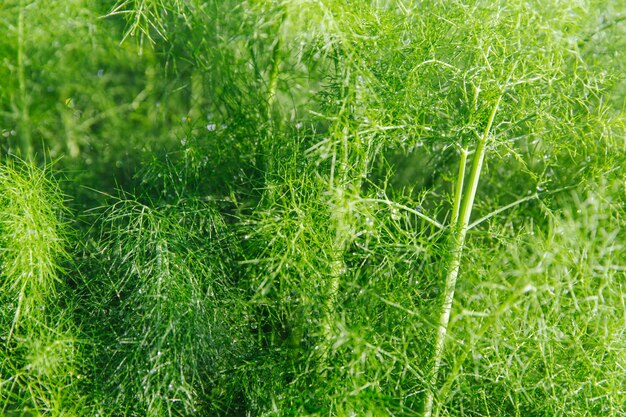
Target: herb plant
[{"x": 312, "y": 208}]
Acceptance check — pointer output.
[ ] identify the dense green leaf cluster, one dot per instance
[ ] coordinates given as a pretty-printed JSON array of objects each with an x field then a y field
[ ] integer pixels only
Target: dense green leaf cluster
[{"x": 298, "y": 207}]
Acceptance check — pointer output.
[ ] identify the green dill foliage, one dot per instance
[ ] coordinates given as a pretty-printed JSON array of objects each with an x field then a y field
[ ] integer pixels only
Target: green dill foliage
[
  {"x": 553, "y": 294},
  {"x": 369, "y": 136},
  {"x": 324, "y": 208},
  {"x": 158, "y": 285},
  {"x": 39, "y": 343},
  {"x": 80, "y": 96}
]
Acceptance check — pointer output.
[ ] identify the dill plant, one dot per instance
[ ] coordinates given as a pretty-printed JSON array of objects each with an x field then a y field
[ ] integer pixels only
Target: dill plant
[
  {"x": 535, "y": 351},
  {"x": 84, "y": 94},
  {"x": 301, "y": 183},
  {"x": 40, "y": 343},
  {"x": 468, "y": 86},
  {"x": 157, "y": 293}
]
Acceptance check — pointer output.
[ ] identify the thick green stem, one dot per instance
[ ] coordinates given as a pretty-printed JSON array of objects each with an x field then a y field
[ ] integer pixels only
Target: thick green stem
[
  {"x": 458, "y": 192},
  {"x": 457, "y": 244},
  {"x": 24, "y": 131}
]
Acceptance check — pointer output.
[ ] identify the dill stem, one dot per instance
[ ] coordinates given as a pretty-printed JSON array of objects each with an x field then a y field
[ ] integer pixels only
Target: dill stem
[
  {"x": 458, "y": 193},
  {"x": 274, "y": 71},
  {"x": 457, "y": 245}
]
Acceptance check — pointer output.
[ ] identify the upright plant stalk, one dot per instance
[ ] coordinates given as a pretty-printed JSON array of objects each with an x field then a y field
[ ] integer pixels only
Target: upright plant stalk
[
  {"x": 337, "y": 269},
  {"x": 458, "y": 192},
  {"x": 273, "y": 80},
  {"x": 270, "y": 99},
  {"x": 459, "y": 225},
  {"x": 24, "y": 117},
  {"x": 341, "y": 223},
  {"x": 274, "y": 70},
  {"x": 197, "y": 92}
]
